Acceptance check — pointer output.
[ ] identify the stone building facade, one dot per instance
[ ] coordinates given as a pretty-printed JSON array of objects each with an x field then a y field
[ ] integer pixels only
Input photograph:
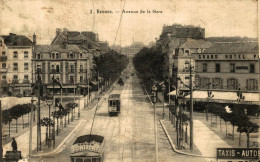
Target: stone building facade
[{"x": 16, "y": 64}]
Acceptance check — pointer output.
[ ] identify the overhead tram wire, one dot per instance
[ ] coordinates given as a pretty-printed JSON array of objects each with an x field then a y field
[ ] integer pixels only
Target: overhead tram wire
[{"x": 119, "y": 23}]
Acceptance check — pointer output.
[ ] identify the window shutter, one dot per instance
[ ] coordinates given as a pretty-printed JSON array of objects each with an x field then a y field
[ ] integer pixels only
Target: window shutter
[
  {"x": 221, "y": 83},
  {"x": 228, "y": 82},
  {"x": 213, "y": 83},
  {"x": 236, "y": 83},
  {"x": 247, "y": 84}
]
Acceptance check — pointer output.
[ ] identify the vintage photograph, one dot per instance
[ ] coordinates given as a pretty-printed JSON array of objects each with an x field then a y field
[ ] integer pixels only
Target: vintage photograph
[{"x": 129, "y": 80}]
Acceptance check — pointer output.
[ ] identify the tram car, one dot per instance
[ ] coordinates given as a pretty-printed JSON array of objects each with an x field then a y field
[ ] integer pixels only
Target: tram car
[
  {"x": 114, "y": 104},
  {"x": 88, "y": 148}
]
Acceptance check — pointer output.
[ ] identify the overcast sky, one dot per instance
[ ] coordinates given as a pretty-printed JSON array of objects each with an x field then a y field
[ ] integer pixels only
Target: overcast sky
[{"x": 218, "y": 17}]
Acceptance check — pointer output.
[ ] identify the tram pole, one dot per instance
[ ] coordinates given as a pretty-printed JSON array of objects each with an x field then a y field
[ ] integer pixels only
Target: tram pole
[{"x": 154, "y": 88}]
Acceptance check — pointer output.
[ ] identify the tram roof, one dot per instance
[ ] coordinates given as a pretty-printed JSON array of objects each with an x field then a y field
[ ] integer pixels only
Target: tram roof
[
  {"x": 89, "y": 138},
  {"x": 112, "y": 96}
]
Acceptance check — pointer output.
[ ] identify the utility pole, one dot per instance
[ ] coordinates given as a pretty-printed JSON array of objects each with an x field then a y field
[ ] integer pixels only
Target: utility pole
[
  {"x": 39, "y": 113},
  {"x": 1, "y": 144},
  {"x": 31, "y": 124},
  {"x": 154, "y": 89},
  {"x": 88, "y": 77},
  {"x": 191, "y": 109}
]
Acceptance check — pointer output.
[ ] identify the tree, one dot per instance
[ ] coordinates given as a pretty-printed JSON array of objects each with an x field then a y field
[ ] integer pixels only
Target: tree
[
  {"x": 71, "y": 106},
  {"x": 7, "y": 119},
  {"x": 246, "y": 126},
  {"x": 149, "y": 64},
  {"x": 226, "y": 118},
  {"x": 46, "y": 122},
  {"x": 15, "y": 113}
]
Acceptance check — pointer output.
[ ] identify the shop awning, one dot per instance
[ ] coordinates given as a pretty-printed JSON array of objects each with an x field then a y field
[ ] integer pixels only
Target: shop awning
[
  {"x": 172, "y": 93},
  {"x": 226, "y": 97}
]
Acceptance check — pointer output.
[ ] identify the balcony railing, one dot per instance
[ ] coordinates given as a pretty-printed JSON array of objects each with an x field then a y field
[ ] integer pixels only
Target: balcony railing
[
  {"x": 3, "y": 81},
  {"x": 26, "y": 81},
  {"x": 15, "y": 81},
  {"x": 3, "y": 58}
]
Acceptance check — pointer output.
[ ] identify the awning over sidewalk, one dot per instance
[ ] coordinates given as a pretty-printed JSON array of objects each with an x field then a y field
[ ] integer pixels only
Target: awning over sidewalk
[
  {"x": 172, "y": 93},
  {"x": 226, "y": 97}
]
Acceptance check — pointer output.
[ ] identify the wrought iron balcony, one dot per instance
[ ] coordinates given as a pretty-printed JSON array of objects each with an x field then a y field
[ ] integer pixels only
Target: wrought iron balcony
[
  {"x": 26, "y": 81},
  {"x": 3, "y": 58},
  {"x": 15, "y": 81}
]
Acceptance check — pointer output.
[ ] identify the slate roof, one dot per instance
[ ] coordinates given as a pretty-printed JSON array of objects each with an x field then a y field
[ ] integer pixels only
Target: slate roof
[
  {"x": 16, "y": 40},
  {"x": 73, "y": 36},
  {"x": 234, "y": 47},
  {"x": 58, "y": 48},
  {"x": 196, "y": 43}
]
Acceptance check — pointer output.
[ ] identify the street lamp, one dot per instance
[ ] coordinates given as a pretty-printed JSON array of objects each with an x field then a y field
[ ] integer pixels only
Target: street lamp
[
  {"x": 210, "y": 95},
  {"x": 49, "y": 102},
  {"x": 163, "y": 89}
]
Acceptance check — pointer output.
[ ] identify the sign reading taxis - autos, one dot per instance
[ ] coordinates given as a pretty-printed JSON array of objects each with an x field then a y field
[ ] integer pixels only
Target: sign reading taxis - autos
[{"x": 238, "y": 153}]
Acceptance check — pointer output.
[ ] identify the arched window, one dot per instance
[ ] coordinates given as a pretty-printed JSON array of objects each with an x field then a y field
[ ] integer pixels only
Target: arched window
[
  {"x": 52, "y": 68},
  {"x": 53, "y": 55},
  {"x": 57, "y": 68},
  {"x": 80, "y": 55},
  {"x": 57, "y": 55},
  {"x": 38, "y": 56},
  {"x": 71, "y": 55}
]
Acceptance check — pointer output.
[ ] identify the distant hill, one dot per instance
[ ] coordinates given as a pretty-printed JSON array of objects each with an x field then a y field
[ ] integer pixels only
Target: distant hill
[{"x": 230, "y": 39}]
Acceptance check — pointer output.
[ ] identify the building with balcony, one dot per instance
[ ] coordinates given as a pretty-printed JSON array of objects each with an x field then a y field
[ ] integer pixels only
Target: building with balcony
[
  {"x": 171, "y": 39},
  {"x": 228, "y": 66},
  {"x": 69, "y": 64},
  {"x": 15, "y": 56}
]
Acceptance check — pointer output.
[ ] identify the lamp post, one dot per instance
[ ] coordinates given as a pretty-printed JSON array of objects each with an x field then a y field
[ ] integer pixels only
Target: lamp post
[
  {"x": 49, "y": 102},
  {"x": 210, "y": 95},
  {"x": 154, "y": 90},
  {"x": 163, "y": 89}
]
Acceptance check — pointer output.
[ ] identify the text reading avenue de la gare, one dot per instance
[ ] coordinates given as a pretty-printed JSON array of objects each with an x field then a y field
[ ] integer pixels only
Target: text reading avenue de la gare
[{"x": 144, "y": 11}]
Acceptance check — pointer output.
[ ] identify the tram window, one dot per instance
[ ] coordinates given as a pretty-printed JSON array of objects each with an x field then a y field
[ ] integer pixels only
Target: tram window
[
  {"x": 114, "y": 102},
  {"x": 79, "y": 160},
  {"x": 87, "y": 160},
  {"x": 110, "y": 103},
  {"x": 117, "y": 102},
  {"x": 96, "y": 160}
]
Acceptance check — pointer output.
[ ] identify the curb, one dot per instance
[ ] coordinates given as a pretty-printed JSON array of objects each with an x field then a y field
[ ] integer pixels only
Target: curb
[
  {"x": 59, "y": 148},
  {"x": 173, "y": 146}
]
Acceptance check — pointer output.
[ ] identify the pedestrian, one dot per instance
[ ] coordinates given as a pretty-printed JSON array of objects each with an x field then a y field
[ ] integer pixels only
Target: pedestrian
[{"x": 14, "y": 145}]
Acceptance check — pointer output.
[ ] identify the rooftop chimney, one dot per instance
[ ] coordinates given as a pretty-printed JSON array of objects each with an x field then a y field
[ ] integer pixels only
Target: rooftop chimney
[{"x": 34, "y": 39}]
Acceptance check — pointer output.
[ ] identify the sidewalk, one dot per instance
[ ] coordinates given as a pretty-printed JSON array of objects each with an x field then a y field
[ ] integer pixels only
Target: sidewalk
[{"x": 23, "y": 138}]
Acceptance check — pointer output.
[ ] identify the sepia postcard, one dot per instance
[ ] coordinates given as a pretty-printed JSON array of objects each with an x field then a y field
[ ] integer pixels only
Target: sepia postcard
[{"x": 129, "y": 80}]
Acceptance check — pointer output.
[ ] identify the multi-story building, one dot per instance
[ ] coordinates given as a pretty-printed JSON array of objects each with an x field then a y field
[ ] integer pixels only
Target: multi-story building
[
  {"x": 70, "y": 64},
  {"x": 86, "y": 39},
  {"x": 183, "y": 62},
  {"x": 171, "y": 38},
  {"x": 228, "y": 67},
  {"x": 16, "y": 64}
]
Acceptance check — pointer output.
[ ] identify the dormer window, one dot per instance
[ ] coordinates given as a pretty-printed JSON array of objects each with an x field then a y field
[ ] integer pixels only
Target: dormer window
[
  {"x": 199, "y": 50},
  {"x": 204, "y": 50},
  {"x": 187, "y": 51},
  {"x": 71, "y": 55},
  {"x": 57, "y": 55},
  {"x": 38, "y": 56}
]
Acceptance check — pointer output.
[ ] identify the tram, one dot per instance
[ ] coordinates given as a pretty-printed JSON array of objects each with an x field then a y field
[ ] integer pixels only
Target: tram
[
  {"x": 88, "y": 148},
  {"x": 114, "y": 104}
]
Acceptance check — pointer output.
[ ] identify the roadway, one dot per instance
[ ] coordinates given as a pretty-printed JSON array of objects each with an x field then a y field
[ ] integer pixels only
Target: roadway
[{"x": 128, "y": 136}]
